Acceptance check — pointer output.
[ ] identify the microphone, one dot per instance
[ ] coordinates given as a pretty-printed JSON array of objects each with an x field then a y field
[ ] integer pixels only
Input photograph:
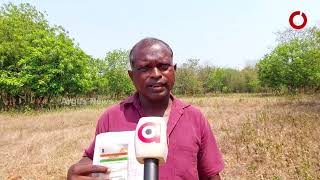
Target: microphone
[{"x": 151, "y": 145}]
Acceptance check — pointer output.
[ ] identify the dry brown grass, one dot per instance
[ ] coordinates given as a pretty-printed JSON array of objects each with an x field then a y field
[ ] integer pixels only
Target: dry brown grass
[{"x": 260, "y": 138}]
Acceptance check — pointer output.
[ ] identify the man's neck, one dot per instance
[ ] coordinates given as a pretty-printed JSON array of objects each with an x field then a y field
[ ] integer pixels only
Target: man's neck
[{"x": 152, "y": 108}]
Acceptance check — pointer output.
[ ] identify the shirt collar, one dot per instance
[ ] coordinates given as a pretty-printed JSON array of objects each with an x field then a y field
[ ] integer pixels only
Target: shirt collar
[
  {"x": 134, "y": 100},
  {"x": 177, "y": 109}
]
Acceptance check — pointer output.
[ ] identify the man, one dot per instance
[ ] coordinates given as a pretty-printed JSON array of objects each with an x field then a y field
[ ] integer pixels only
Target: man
[{"x": 193, "y": 152}]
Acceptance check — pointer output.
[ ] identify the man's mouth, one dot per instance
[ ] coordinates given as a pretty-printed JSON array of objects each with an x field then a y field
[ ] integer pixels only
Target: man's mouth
[{"x": 157, "y": 86}]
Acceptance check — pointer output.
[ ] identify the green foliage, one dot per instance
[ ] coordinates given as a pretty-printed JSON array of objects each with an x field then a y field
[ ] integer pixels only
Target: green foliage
[
  {"x": 187, "y": 78},
  {"x": 99, "y": 79},
  {"x": 293, "y": 64},
  {"x": 252, "y": 83},
  {"x": 38, "y": 62},
  {"x": 231, "y": 80},
  {"x": 216, "y": 80},
  {"x": 117, "y": 63},
  {"x": 191, "y": 78}
]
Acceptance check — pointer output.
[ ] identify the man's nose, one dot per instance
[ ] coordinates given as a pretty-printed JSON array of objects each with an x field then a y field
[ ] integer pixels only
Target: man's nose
[{"x": 155, "y": 73}]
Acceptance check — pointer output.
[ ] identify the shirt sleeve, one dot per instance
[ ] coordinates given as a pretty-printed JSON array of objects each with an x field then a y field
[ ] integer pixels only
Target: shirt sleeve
[
  {"x": 102, "y": 127},
  {"x": 210, "y": 160}
]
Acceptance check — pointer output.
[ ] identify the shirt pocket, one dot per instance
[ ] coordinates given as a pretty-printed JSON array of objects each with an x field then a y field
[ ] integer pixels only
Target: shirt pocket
[{"x": 185, "y": 163}]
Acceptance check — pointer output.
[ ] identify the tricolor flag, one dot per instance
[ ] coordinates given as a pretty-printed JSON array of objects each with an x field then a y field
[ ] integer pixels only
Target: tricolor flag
[{"x": 121, "y": 155}]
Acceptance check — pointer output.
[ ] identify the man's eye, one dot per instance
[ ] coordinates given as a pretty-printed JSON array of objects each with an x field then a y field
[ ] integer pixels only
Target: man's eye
[
  {"x": 164, "y": 67},
  {"x": 143, "y": 69}
]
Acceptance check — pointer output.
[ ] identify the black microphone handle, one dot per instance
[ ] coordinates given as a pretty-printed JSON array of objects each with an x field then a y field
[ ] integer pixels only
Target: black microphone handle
[{"x": 151, "y": 169}]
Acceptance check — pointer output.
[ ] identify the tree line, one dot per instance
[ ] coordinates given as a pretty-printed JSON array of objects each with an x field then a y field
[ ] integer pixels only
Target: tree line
[{"x": 41, "y": 64}]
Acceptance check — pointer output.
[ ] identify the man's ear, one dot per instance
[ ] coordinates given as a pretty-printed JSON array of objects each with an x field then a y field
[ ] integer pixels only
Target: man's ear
[{"x": 130, "y": 73}]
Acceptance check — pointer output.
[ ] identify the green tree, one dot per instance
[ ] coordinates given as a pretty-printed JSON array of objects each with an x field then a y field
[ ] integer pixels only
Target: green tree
[
  {"x": 187, "y": 78},
  {"x": 203, "y": 76},
  {"x": 217, "y": 80},
  {"x": 99, "y": 78},
  {"x": 252, "y": 83},
  {"x": 38, "y": 62},
  {"x": 293, "y": 64},
  {"x": 119, "y": 83}
]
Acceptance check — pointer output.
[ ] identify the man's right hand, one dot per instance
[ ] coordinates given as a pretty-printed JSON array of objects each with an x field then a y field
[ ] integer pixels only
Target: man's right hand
[{"x": 83, "y": 170}]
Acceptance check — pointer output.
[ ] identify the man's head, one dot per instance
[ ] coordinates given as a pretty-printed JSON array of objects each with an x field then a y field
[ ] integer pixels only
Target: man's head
[{"x": 153, "y": 72}]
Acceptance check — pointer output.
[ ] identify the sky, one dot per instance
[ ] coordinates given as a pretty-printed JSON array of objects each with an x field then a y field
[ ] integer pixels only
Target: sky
[{"x": 222, "y": 33}]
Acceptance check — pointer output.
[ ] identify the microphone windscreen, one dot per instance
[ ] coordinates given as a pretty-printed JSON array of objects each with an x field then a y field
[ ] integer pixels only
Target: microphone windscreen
[{"x": 151, "y": 139}]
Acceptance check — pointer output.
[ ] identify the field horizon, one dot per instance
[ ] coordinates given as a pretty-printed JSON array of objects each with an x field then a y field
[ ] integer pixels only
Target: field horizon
[{"x": 260, "y": 137}]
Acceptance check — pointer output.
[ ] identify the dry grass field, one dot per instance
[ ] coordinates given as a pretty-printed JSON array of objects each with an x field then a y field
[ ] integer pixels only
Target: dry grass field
[{"x": 260, "y": 137}]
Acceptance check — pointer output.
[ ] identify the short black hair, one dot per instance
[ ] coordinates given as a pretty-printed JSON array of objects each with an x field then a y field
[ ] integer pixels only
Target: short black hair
[{"x": 149, "y": 41}]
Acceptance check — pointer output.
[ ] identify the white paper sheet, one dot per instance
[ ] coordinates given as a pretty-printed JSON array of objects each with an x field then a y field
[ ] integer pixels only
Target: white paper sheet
[{"x": 114, "y": 142}]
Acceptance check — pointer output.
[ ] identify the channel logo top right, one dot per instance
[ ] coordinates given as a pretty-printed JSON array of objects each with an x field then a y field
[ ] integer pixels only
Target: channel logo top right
[{"x": 298, "y": 20}]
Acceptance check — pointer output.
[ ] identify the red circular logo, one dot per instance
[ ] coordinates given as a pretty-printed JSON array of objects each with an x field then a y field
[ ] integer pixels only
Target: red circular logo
[
  {"x": 149, "y": 132},
  {"x": 294, "y": 14}
]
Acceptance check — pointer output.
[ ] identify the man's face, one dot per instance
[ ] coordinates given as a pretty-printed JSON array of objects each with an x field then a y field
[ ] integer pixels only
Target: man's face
[{"x": 152, "y": 71}]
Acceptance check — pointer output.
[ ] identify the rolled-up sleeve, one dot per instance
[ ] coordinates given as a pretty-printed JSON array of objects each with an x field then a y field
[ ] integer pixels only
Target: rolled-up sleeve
[
  {"x": 210, "y": 160},
  {"x": 102, "y": 127}
]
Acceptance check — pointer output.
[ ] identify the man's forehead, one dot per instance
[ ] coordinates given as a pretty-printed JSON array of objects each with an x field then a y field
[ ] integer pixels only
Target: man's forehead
[
  {"x": 147, "y": 48},
  {"x": 153, "y": 51}
]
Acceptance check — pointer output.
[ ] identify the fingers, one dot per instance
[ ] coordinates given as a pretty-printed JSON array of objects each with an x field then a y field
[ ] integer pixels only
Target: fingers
[
  {"x": 83, "y": 169},
  {"x": 91, "y": 178},
  {"x": 86, "y": 178}
]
